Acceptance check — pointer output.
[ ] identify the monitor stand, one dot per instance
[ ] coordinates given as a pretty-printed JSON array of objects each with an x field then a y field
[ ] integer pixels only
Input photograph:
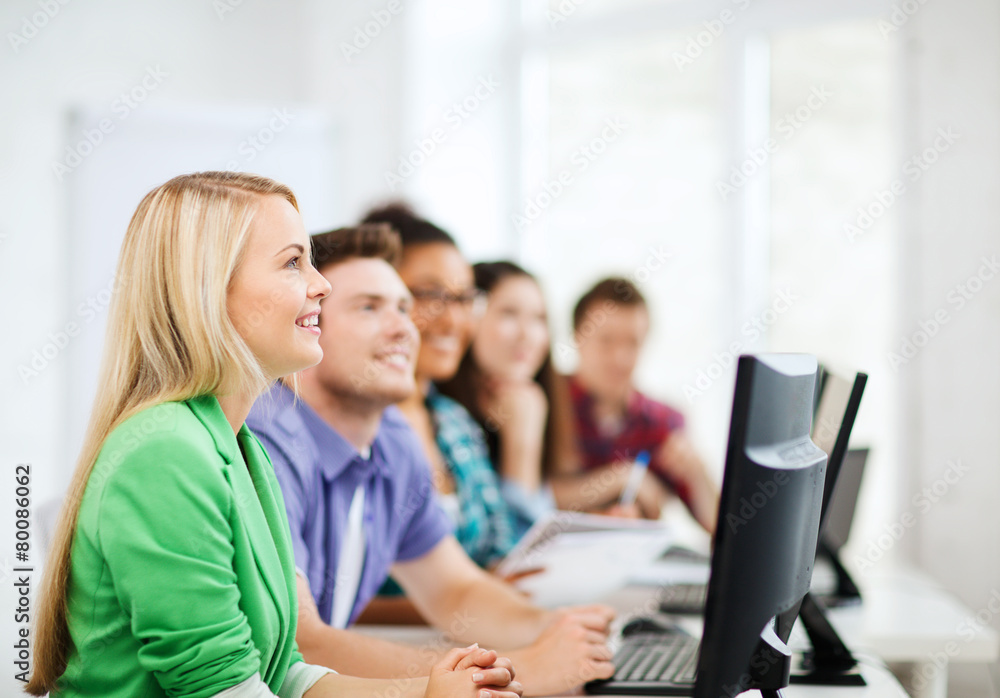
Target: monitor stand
[
  {"x": 829, "y": 663},
  {"x": 846, "y": 592},
  {"x": 769, "y": 665}
]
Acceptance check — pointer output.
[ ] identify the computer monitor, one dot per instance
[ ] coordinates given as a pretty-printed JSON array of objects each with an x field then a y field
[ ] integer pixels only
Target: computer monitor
[
  {"x": 820, "y": 381},
  {"x": 830, "y": 661},
  {"x": 844, "y": 501},
  {"x": 768, "y": 524},
  {"x": 835, "y": 414},
  {"x": 836, "y": 407}
]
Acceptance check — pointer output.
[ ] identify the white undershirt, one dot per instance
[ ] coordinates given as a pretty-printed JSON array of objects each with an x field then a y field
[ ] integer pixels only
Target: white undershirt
[
  {"x": 352, "y": 558},
  {"x": 299, "y": 679}
]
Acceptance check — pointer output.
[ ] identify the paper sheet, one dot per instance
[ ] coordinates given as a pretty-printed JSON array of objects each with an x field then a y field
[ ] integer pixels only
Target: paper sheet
[{"x": 584, "y": 556}]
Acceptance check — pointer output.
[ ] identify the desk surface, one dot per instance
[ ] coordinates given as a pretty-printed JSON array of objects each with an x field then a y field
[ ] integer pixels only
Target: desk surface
[
  {"x": 906, "y": 619},
  {"x": 881, "y": 683},
  {"x": 636, "y": 599},
  {"x": 906, "y": 616}
]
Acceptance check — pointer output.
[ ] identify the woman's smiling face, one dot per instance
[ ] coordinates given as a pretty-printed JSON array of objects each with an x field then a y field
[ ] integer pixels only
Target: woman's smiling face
[
  {"x": 273, "y": 298},
  {"x": 444, "y": 293}
]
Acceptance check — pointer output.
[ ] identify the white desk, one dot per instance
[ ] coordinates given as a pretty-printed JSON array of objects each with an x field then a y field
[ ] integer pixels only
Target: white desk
[
  {"x": 906, "y": 620},
  {"x": 881, "y": 682},
  {"x": 635, "y": 600},
  {"x": 909, "y": 619}
]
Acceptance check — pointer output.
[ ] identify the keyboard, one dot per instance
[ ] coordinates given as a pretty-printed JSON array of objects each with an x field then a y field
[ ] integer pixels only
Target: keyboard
[
  {"x": 652, "y": 664},
  {"x": 686, "y": 599}
]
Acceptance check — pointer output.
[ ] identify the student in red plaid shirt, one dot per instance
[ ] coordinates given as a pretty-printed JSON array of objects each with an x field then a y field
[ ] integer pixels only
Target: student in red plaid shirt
[{"x": 614, "y": 422}]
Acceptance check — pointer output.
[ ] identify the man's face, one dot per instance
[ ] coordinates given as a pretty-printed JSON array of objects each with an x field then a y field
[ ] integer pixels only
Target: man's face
[
  {"x": 369, "y": 341},
  {"x": 609, "y": 340}
]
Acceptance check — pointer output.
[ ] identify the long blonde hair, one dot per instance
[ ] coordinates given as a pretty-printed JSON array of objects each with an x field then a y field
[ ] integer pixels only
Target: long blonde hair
[{"x": 169, "y": 337}]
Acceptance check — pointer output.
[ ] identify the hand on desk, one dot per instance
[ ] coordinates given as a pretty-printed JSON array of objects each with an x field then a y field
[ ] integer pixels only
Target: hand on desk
[
  {"x": 570, "y": 651},
  {"x": 473, "y": 672}
]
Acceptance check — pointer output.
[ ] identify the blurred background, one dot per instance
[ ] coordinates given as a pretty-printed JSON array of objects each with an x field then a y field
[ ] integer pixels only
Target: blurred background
[{"x": 774, "y": 175}]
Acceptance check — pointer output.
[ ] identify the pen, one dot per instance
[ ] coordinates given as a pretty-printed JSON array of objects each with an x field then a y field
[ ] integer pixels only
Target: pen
[{"x": 631, "y": 490}]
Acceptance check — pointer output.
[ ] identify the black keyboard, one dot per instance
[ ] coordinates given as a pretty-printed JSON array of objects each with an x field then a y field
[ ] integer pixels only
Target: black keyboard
[
  {"x": 684, "y": 599},
  {"x": 653, "y": 664}
]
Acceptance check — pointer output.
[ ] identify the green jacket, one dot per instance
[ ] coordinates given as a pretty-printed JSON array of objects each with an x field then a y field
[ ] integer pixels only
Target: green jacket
[{"x": 182, "y": 577}]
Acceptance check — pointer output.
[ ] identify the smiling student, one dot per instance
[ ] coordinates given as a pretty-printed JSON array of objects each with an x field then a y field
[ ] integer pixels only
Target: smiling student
[
  {"x": 172, "y": 569},
  {"x": 360, "y": 500},
  {"x": 445, "y": 305}
]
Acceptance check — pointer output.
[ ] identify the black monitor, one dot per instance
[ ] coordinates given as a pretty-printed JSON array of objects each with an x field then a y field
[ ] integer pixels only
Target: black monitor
[
  {"x": 830, "y": 662},
  {"x": 768, "y": 523},
  {"x": 835, "y": 415},
  {"x": 820, "y": 381},
  {"x": 837, "y": 530},
  {"x": 836, "y": 411}
]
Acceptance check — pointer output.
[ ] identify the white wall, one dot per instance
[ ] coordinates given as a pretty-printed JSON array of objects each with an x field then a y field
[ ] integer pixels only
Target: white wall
[
  {"x": 88, "y": 55},
  {"x": 271, "y": 54},
  {"x": 362, "y": 88},
  {"x": 951, "y": 221},
  {"x": 256, "y": 55}
]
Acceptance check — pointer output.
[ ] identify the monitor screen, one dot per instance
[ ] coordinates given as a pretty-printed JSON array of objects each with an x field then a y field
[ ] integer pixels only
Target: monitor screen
[
  {"x": 840, "y": 512},
  {"x": 830, "y": 412},
  {"x": 835, "y": 415}
]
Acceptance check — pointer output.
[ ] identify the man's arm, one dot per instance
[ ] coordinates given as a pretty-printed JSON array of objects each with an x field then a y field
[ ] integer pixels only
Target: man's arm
[
  {"x": 353, "y": 653},
  {"x": 395, "y": 610},
  {"x": 559, "y": 650},
  {"x": 469, "y": 604},
  {"x": 684, "y": 467}
]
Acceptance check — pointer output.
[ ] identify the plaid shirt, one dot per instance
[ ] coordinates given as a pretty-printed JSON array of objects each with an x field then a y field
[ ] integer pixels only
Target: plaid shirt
[
  {"x": 645, "y": 425},
  {"x": 485, "y": 526}
]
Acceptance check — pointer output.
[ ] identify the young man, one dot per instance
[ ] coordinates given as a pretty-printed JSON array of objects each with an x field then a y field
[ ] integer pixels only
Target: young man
[
  {"x": 615, "y": 421},
  {"x": 360, "y": 502}
]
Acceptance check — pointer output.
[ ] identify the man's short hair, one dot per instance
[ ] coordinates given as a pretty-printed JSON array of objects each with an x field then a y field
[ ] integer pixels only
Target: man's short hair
[
  {"x": 614, "y": 289},
  {"x": 365, "y": 241}
]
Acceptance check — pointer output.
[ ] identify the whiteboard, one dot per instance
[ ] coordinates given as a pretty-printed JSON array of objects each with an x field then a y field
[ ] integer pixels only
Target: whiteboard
[{"x": 295, "y": 146}]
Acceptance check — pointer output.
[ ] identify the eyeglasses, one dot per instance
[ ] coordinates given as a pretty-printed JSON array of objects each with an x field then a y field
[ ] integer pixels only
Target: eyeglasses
[{"x": 469, "y": 300}]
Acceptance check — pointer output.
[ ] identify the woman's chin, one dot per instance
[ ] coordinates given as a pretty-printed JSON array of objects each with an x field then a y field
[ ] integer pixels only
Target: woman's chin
[
  {"x": 517, "y": 374},
  {"x": 438, "y": 371},
  {"x": 307, "y": 361}
]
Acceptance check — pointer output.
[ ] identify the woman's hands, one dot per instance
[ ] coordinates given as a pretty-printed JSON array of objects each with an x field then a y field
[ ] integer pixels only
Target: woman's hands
[
  {"x": 474, "y": 673},
  {"x": 518, "y": 409},
  {"x": 518, "y": 412}
]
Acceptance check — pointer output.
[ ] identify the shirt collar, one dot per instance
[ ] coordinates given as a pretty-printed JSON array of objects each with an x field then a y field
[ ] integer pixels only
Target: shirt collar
[
  {"x": 335, "y": 453},
  {"x": 634, "y": 404}
]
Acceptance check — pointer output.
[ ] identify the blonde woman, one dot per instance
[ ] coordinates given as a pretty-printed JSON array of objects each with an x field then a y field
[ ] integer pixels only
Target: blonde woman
[{"x": 172, "y": 571}]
